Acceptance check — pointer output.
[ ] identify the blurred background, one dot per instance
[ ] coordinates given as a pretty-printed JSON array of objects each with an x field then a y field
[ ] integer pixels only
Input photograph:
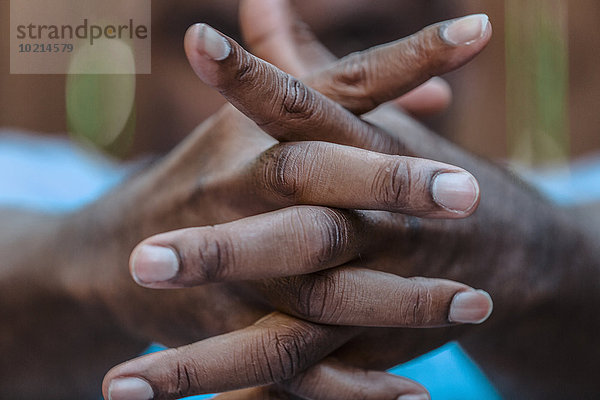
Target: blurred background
[{"x": 532, "y": 96}]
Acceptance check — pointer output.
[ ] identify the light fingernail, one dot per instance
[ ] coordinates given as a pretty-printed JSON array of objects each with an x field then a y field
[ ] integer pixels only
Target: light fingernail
[
  {"x": 422, "y": 396},
  {"x": 455, "y": 191},
  {"x": 211, "y": 43},
  {"x": 130, "y": 389},
  {"x": 465, "y": 31},
  {"x": 154, "y": 264},
  {"x": 472, "y": 307}
]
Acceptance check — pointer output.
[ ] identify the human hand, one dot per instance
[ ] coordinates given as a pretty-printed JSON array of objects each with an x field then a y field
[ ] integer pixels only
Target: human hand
[
  {"x": 541, "y": 267},
  {"x": 279, "y": 129}
]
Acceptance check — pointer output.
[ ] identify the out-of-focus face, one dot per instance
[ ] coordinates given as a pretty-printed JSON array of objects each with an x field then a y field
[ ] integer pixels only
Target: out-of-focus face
[
  {"x": 171, "y": 101},
  {"x": 339, "y": 23},
  {"x": 343, "y": 25}
]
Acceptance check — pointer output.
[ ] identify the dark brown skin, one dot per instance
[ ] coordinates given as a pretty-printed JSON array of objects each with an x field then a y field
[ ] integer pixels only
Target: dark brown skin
[
  {"x": 170, "y": 196},
  {"x": 432, "y": 303},
  {"x": 540, "y": 264},
  {"x": 516, "y": 243},
  {"x": 90, "y": 312}
]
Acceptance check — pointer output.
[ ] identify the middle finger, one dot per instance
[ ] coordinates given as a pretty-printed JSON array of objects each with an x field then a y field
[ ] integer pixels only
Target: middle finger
[{"x": 327, "y": 174}]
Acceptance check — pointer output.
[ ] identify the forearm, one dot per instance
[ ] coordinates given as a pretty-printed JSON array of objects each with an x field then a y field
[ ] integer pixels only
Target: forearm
[
  {"x": 58, "y": 275},
  {"x": 68, "y": 306},
  {"x": 53, "y": 344},
  {"x": 550, "y": 349}
]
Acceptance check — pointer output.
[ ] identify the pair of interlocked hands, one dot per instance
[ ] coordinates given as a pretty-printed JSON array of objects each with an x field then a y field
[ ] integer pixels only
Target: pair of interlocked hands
[{"x": 309, "y": 205}]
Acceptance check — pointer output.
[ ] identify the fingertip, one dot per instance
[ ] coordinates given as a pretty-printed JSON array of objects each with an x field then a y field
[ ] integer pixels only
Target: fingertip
[
  {"x": 412, "y": 390},
  {"x": 457, "y": 41},
  {"x": 153, "y": 266},
  {"x": 465, "y": 31},
  {"x": 438, "y": 88},
  {"x": 190, "y": 39},
  {"x": 205, "y": 48},
  {"x": 432, "y": 97},
  {"x": 456, "y": 191},
  {"x": 471, "y": 307},
  {"x": 487, "y": 35},
  {"x": 209, "y": 42},
  {"x": 421, "y": 396},
  {"x": 139, "y": 377},
  {"x": 260, "y": 18},
  {"x": 464, "y": 37},
  {"x": 129, "y": 389}
]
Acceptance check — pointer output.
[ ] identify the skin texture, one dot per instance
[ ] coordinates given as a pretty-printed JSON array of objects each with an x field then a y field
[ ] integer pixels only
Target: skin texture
[
  {"x": 528, "y": 267},
  {"x": 197, "y": 384},
  {"x": 154, "y": 202},
  {"x": 510, "y": 237},
  {"x": 211, "y": 178}
]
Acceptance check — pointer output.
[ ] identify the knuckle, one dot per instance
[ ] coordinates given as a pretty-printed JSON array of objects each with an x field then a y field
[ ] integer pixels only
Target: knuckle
[
  {"x": 421, "y": 52},
  {"x": 354, "y": 72},
  {"x": 281, "y": 172},
  {"x": 356, "y": 77},
  {"x": 248, "y": 68},
  {"x": 308, "y": 304},
  {"x": 316, "y": 298},
  {"x": 183, "y": 379},
  {"x": 332, "y": 238},
  {"x": 297, "y": 99},
  {"x": 294, "y": 103},
  {"x": 186, "y": 379},
  {"x": 283, "y": 354},
  {"x": 418, "y": 305},
  {"x": 287, "y": 170},
  {"x": 392, "y": 184},
  {"x": 212, "y": 258}
]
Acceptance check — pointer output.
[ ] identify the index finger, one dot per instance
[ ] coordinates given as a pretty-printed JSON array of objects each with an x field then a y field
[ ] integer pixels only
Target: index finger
[
  {"x": 280, "y": 104},
  {"x": 276, "y": 348},
  {"x": 362, "y": 81}
]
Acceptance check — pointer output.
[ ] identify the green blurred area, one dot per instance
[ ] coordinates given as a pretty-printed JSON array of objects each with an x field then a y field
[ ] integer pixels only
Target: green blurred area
[
  {"x": 101, "y": 105},
  {"x": 101, "y": 111},
  {"x": 537, "y": 76}
]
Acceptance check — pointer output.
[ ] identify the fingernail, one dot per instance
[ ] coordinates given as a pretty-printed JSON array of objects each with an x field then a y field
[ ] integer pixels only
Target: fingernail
[
  {"x": 464, "y": 31},
  {"x": 130, "y": 389},
  {"x": 472, "y": 307},
  {"x": 455, "y": 191},
  {"x": 422, "y": 396},
  {"x": 211, "y": 43},
  {"x": 154, "y": 264}
]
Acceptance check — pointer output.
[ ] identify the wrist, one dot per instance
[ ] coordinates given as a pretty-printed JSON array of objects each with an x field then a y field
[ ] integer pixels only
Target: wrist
[
  {"x": 36, "y": 294},
  {"x": 98, "y": 241},
  {"x": 543, "y": 343}
]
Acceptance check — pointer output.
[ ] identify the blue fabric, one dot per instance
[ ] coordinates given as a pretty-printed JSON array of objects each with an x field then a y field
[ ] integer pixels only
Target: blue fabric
[
  {"x": 449, "y": 374},
  {"x": 54, "y": 175},
  {"x": 575, "y": 184}
]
